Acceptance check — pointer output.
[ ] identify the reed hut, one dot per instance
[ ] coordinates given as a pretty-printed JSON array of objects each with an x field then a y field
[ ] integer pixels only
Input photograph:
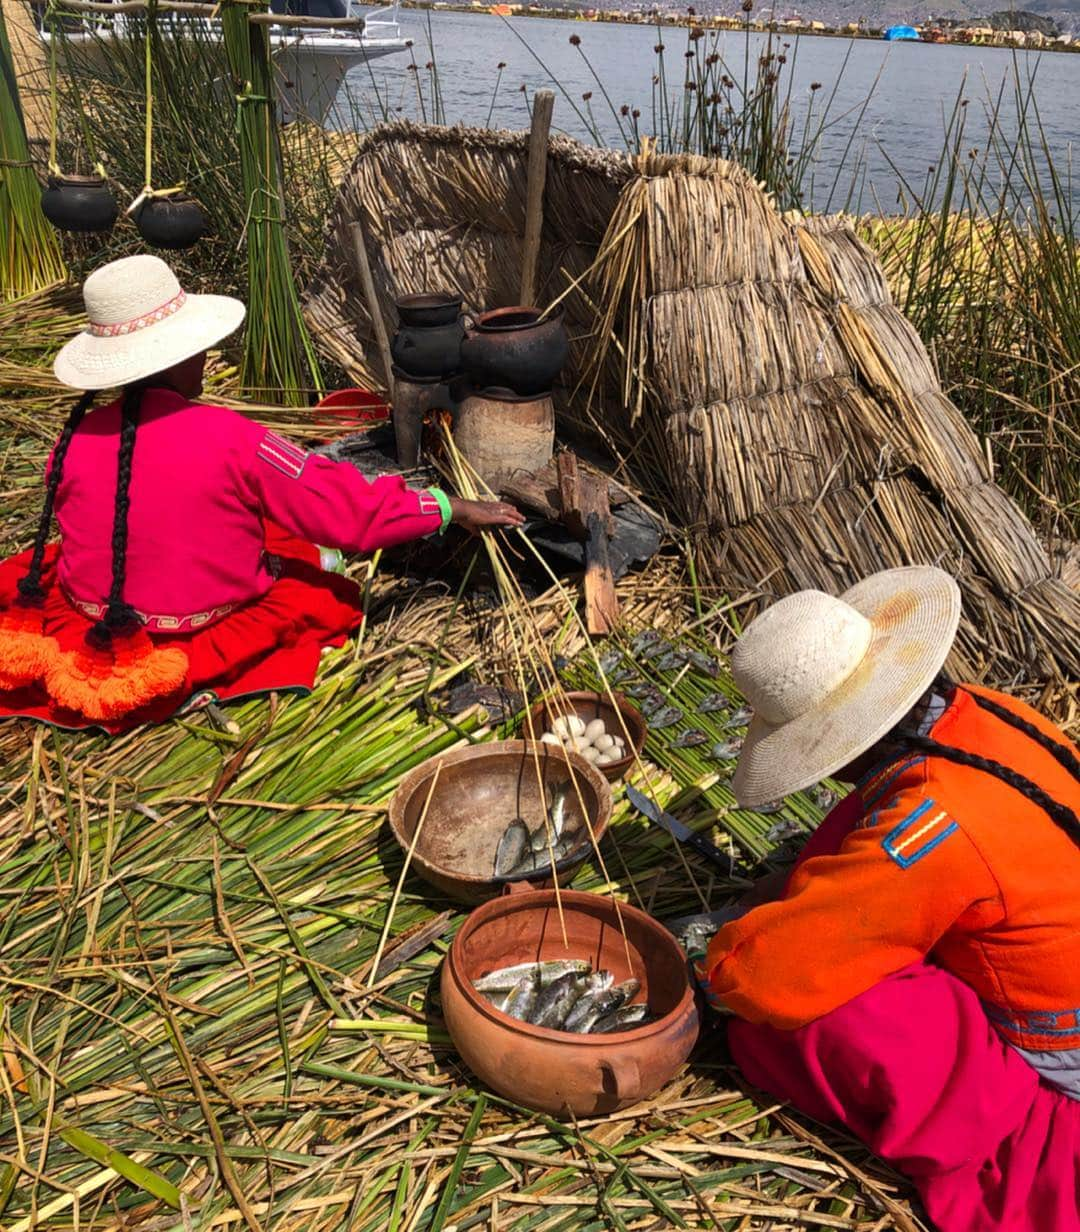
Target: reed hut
[{"x": 748, "y": 367}]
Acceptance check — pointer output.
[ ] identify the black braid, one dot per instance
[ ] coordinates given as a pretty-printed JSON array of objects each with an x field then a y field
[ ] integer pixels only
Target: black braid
[
  {"x": 29, "y": 587},
  {"x": 1062, "y": 752},
  {"x": 118, "y": 614},
  {"x": 1060, "y": 813}
]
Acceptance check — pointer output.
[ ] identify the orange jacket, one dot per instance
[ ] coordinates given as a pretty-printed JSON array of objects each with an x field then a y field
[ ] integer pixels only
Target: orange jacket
[{"x": 945, "y": 861}]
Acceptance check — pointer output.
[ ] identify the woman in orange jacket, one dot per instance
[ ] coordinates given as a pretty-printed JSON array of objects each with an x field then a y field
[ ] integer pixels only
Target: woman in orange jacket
[{"x": 918, "y": 979}]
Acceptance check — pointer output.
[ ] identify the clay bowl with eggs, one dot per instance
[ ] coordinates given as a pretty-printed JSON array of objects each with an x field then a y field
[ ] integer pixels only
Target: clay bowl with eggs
[{"x": 618, "y": 719}]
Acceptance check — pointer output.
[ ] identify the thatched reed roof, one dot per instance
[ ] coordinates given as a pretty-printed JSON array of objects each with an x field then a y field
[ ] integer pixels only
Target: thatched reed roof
[{"x": 750, "y": 367}]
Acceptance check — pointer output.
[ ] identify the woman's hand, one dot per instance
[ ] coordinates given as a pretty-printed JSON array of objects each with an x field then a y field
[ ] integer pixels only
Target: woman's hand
[{"x": 474, "y": 516}]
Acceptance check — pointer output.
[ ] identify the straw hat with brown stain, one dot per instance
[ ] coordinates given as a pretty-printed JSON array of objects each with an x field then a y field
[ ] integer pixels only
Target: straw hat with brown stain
[{"x": 829, "y": 677}]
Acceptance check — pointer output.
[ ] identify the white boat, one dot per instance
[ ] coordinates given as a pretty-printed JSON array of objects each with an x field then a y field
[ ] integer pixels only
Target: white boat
[{"x": 311, "y": 62}]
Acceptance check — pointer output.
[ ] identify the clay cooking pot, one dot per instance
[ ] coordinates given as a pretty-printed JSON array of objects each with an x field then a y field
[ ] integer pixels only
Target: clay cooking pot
[
  {"x": 427, "y": 345},
  {"x": 479, "y": 791},
  {"x": 173, "y": 223},
  {"x": 554, "y": 1071},
  {"x": 80, "y": 203},
  {"x": 513, "y": 349}
]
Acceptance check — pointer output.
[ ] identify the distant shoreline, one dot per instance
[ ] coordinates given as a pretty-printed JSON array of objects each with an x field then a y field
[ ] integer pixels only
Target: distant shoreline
[{"x": 675, "y": 21}]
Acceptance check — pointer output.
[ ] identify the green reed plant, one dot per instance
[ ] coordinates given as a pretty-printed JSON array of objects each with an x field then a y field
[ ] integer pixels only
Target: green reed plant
[
  {"x": 29, "y": 250},
  {"x": 985, "y": 262}
]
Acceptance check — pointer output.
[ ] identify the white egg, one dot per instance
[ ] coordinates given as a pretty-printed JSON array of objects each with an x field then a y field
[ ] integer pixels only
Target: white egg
[
  {"x": 595, "y": 729},
  {"x": 575, "y": 724},
  {"x": 604, "y": 743},
  {"x": 550, "y": 738},
  {"x": 561, "y": 726},
  {"x": 591, "y": 755},
  {"x": 606, "y": 759}
]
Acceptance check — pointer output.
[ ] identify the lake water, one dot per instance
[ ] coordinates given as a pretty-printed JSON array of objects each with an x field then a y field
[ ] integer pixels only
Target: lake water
[{"x": 862, "y": 158}]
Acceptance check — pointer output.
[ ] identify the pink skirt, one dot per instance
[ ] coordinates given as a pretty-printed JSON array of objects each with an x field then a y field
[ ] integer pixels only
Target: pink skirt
[{"x": 914, "y": 1069}]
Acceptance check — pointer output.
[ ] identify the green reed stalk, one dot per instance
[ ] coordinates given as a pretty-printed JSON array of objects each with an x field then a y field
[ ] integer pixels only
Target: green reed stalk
[
  {"x": 279, "y": 358},
  {"x": 29, "y": 249}
]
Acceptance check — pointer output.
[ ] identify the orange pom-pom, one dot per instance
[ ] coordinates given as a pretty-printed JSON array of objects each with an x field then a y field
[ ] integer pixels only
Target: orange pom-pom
[
  {"x": 108, "y": 682},
  {"x": 25, "y": 651}
]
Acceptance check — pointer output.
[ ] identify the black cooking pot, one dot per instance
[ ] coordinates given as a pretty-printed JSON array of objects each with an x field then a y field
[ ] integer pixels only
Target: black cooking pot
[
  {"x": 428, "y": 310},
  {"x": 171, "y": 222},
  {"x": 512, "y": 348},
  {"x": 81, "y": 203},
  {"x": 428, "y": 354}
]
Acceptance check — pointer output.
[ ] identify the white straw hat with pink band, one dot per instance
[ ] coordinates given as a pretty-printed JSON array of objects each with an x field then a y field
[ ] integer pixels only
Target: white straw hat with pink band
[
  {"x": 141, "y": 321},
  {"x": 828, "y": 677}
]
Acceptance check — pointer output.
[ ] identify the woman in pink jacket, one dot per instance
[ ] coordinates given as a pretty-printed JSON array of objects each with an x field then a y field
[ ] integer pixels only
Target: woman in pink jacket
[{"x": 186, "y": 567}]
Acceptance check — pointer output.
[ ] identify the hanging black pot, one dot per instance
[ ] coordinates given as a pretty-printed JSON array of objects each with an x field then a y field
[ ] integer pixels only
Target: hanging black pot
[
  {"x": 79, "y": 203},
  {"x": 171, "y": 222}
]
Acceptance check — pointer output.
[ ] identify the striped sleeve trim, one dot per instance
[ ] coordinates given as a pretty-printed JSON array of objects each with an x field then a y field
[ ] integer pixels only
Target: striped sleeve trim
[
  {"x": 282, "y": 455},
  {"x": 923, "y": 829}
]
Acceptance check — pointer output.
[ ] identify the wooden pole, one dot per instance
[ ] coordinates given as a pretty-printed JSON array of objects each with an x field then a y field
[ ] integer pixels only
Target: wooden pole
[
  {"x": 363, "y": 267},
  {"x": 543, "y": 105}
]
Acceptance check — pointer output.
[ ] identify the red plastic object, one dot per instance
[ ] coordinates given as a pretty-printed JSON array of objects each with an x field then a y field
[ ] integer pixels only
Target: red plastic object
[{"x": 353, "y": 408}]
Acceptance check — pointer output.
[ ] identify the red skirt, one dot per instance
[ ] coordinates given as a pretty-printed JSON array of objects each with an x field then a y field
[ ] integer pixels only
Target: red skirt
[{"x": 272, "y": 644}]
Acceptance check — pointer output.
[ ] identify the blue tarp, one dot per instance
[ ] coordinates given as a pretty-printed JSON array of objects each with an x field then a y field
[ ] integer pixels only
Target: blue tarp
[{"x": 901, "y": 32}]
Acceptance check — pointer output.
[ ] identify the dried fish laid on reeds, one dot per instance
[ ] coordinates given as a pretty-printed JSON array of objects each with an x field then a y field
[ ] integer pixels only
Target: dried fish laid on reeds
[{"x": 565, "y": 995}]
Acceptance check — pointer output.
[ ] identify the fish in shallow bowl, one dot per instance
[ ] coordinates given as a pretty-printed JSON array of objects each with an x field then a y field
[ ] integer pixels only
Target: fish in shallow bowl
[{"x": 463, "y": 814}]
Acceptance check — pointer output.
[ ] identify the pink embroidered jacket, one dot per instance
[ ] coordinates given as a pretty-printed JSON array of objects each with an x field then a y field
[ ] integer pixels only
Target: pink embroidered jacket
[{"x": 203, "y": 479}]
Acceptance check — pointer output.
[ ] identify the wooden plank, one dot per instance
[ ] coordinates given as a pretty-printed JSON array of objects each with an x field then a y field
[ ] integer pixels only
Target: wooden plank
[
  {"x": 543, "y": 105},
  {"x": 363, "y": 268},
  {"x": 587, "y": 515}
]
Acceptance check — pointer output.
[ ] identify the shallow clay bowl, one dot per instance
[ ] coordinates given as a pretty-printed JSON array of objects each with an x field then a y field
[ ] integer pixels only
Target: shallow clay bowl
[
  {"x": 554, "y": 1071},
  {"x": 480, "y": 790},
  {"x": 623, "y": 719}
]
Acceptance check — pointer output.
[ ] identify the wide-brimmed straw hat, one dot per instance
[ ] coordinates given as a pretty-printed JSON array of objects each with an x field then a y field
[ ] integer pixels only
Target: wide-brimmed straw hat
[
  {"x": 141, "y": 321},
  {"x": 828, "y": 677}
]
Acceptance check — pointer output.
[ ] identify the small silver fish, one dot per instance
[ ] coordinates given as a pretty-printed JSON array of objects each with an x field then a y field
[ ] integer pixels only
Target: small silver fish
[
  {"x": 823, "y": 798},
  {"x": 610, "y": 661},
  {"x": 725, "y": 750},
  {"x": 622, "y": 1019},
  {"x": 713, "y": 703},
  {"x": 512, "y": 846},
  {"x": 772, "y": 806},
  {"x": 628, "y": 989},
  {"x": 705, "y": 663},
  {"x": 783, "y": 830},
  {"x": 557, "y": 1000},
  {"x": 521, "y": 1002},
  {"x": 503, "y": 979},
  {"x": 740, "y": 718},
  {"x": 665, "y": 717},
  {"x": 645, "y": 638},
  {"x": 560, "y": 793},
  {"x": 669, "y": 662},
  {"x": 656, "y": 650},
  {"x": 591, "y": 1008},
  {"x": 642, "y": 689},
  {"x": 688, "y": 739},
  {"x": 620, "y": 674}
]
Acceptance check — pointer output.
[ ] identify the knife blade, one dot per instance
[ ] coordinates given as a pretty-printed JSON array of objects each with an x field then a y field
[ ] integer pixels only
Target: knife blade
[{"x": 700, "y": 844}]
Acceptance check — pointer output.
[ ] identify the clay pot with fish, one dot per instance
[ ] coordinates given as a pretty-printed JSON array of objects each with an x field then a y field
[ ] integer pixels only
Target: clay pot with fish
[
  {"x": 427, "y": 345},
  {"x": 515, "y": 348},
  {"x": 555, "y": 1071}
]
